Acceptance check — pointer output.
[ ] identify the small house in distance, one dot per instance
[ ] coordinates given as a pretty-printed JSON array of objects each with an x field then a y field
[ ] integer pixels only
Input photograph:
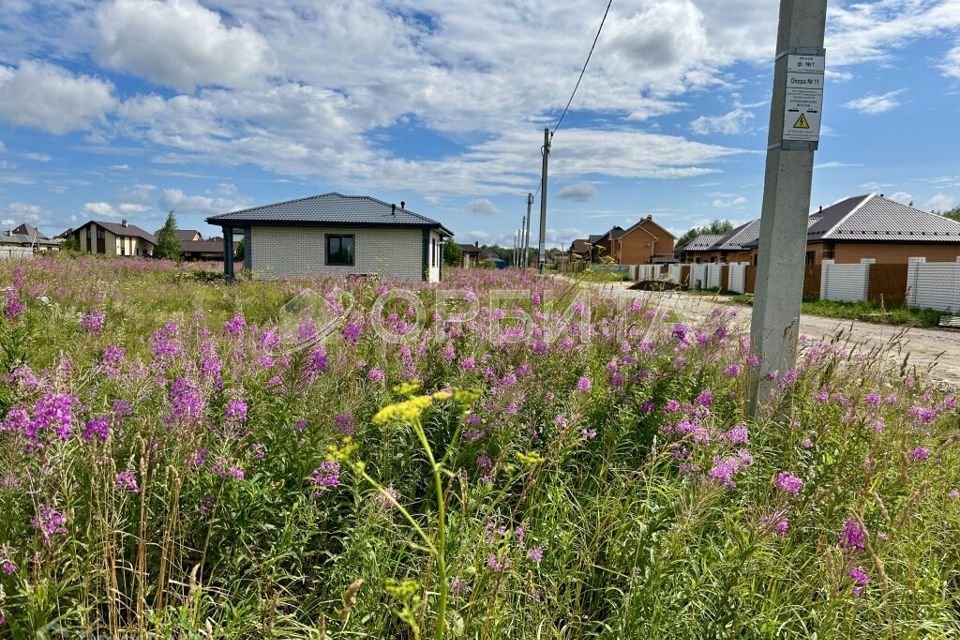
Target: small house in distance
[
  {"x": 24, "y": 241},
  {"x": 195, "y": 247},
  {"x": 112, "y": 239},
  {"x": 334, "y": 233},
  {"x": 471, "y": 255}
]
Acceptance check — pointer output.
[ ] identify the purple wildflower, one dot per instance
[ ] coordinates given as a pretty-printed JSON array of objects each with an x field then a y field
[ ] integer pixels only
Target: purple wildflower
[
  {"x": 859, "y": 576},
  {"x": 920, "y": 454},
  {"x": 853, "y": 536},
  {"x": 788, "y": 483},
  {"x": 97, "y": 428},
  {"x": 584, "y": 384},
  {"x": 127, "y": 481},
  {"x": 535, "y": 554},
  {"x": 93, "y": 322},
  {"x": 326, "y": 476},
  {"x": 50, "y": 523},
  {"x": 376, "y": 375}
]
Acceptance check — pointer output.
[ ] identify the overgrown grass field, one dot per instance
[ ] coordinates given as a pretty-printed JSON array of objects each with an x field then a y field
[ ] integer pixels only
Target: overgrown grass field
[{"x": 182, "y": 458}]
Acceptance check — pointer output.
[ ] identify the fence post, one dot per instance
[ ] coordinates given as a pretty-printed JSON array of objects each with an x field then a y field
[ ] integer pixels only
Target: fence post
[
  {"x": 825, "y": 279},
  {"x": 866, "y": 276},
  {"x": 913, "y": 280}
]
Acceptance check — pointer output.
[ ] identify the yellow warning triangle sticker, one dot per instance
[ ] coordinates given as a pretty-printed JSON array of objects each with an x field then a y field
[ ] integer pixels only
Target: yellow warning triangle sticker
[{"x": 801, "y": 122}]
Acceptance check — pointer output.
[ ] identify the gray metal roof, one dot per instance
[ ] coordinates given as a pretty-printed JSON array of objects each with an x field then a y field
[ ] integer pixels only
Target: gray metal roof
[
  {"x": 741, "y": 237},
  {"x": 873, "y": 218},
  {"x": 595, "y": 238},
  {"x": 703, "y": 242},
  {"x": 329, "y": 208}
]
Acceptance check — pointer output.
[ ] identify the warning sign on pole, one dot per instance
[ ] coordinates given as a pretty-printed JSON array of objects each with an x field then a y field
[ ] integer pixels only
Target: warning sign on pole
[{"x": 804, "y": 98}]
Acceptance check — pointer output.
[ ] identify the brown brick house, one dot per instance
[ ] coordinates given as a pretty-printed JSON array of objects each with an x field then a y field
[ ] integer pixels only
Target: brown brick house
[
  {"x": 641, "y": 243},
  {"x": 195, "y": 247}
]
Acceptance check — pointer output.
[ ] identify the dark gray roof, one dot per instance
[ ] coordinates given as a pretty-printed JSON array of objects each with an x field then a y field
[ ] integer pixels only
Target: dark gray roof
[
  {"x": 873, "y": 218},
  {"x": 703, "y": 242},
  {"x": 468, "y": 248},
  {"x": 28, "y": 229},
  {"x": 330, "y": 208},
  {"x": 741, "y": 237},
  {"x": 595, "y": 238},
  {"x": 616, "y": 232},
  {"x": 117, "y": 229},
  {"x": 7, "y": 237}
]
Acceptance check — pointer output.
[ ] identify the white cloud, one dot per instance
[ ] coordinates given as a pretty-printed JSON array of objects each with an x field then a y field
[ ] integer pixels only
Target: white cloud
[
  {"x": 732, "y": 123},
  {"x": 833, "y": 164},
  {"x": 951, "y": 64},
  {"x": 179, "y": 202},
  {"x": 181, "y": 44},
  {"x": 941, "y": 202},
  {"x": 580, "y": 192},
  {"x": 482, "y": 207},
  {"x": 902, "y": 197},
  {"x": 108, "y": 210},
  {"x": 872, "y": 104},
  {"x": 44, "y": 96},
  {"x": 729, "y": 202},
  {"x": 8, "y": 221},
  {"x": 23, "y": 212},
  {"x": 120, "y": 167},
  {"x": 37, "y": 157}
]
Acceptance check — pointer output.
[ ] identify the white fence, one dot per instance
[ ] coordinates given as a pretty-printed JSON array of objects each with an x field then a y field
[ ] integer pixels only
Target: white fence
[
  {"x": 698, "y": 275},
  {"x": 737, "y": 280},
  {"x": 675, "y": 270},
  {"x": 15, "y": 252},
  {"x": 845, "y": 282},
  {"x": 933, "y": 285},
  {"x": 647, "y": 272}
]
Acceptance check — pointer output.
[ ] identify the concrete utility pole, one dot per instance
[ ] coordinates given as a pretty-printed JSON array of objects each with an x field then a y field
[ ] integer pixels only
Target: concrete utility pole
[
  {"x": 543, "y": 200},
  {"x": 793, "y": 138},
  {"x": 526, "y": 234},
  {"x": 523, "y": 225}
]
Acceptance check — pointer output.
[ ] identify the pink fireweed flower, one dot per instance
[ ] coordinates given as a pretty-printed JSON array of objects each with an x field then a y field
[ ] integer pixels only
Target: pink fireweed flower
[
  {"x": 732, "y": 371},
  {"x": 326, "y": 476},
  {"x": 954, "y": 495},
  {"x": 376, "y": 375},
  {"x": 853, "y": 536},
  {"x": 737, "y": 435},
  {"x": 535, "y": 554},
  {"x": 872, "y": 399},
  {"x": 776, "y": 523},
  {"x": 93, "y": 322},
  {"x": 236, "y": 412},
  {"x": 672, "y": 406},
  {"x": 496, "y": 564},
  {"x": 50, "y": 523},
  {"x": 705, "y": 399},
  {"x": 235, "y": 326},
  {"x": 588, "y": 434},
  {"x": 97, "y": 428},
  {"x": 789, "y": 483},
  {"x": 806, "y": 443},
  {"x": 345, "y": 424},
  {"x": 584, "y": 384},
  {"x": 7, "y": 567},
  {"x": 860, "y": 579},
  {"x": 127, "y": 481},
  {"x": 920, "y": 454},
  {"x": 388, "y": 501}
]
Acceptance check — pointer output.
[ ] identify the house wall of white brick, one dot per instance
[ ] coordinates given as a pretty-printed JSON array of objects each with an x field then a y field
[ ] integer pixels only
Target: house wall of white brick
[
  {"x": 291, "y": 251},
  {"x": 934, "y": 285}
]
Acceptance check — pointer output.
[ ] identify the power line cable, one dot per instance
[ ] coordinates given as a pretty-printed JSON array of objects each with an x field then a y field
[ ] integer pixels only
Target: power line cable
[{"x": 584, "y": 69}]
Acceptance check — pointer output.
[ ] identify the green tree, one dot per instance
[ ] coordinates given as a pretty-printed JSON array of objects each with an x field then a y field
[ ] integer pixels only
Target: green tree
[
  {"x": 452, "y": 254},
  {"x": 70, "y": 245},
  {"x": 168, "y": 245},
  {"x": 717, "y": 227},
  {"x": 241, "y": 251},
  {"x": 953, "y": 214}
]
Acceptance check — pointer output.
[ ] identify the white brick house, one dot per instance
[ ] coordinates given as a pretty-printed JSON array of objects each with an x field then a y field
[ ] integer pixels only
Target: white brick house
[{"x": 333, "y": 233}]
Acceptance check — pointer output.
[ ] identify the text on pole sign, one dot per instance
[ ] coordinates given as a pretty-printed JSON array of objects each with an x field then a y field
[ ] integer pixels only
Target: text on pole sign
[{"x": 804, "y": 98}]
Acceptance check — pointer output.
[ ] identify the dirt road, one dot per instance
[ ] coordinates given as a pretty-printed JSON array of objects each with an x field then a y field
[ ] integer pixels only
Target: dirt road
[{"x": 936, "y": 350}]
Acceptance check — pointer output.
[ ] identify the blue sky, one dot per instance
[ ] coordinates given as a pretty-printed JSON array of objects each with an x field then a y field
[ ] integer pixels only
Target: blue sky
[{"x": 129, "y": 108}]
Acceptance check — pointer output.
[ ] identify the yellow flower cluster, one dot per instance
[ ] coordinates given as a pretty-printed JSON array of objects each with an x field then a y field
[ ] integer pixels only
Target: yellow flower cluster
[{"x": 407, "y": 410}]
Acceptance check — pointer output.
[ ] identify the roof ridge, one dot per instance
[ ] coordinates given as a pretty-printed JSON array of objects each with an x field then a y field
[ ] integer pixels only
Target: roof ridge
[
  {"x": 291, "y": 201},
  {"x": 867, "y": 198}
]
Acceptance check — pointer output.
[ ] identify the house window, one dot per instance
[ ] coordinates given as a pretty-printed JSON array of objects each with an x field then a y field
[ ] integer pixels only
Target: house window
[
  {"x": 811, "y": 258},
  {"x": 101, "y": 234},
  {"x": 340, "y": 250},
  {"x": 433, "y": 252}
]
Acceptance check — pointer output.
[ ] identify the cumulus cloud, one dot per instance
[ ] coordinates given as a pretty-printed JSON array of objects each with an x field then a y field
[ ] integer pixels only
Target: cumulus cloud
[
  {"x": 25, "y": 212},
  {"x": 178, "y": 201},
  {"x": 482, "y": 207},
  {"x": 48, "y": 97},
  {"x": 37, "y": 157},
  {"x": 872, "y": 104},
  {"x": 941, "y": 202},
  {"x": 902, "y": 197},
  {"x": 732, "y": 123},
  {"x": 729, "y": 202},
  {"x": 580, "y": 192},
  {"x": 108, "y": 210},
  {"x": 181, "y": 44},
  {"x": 951, "y": 64}
]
